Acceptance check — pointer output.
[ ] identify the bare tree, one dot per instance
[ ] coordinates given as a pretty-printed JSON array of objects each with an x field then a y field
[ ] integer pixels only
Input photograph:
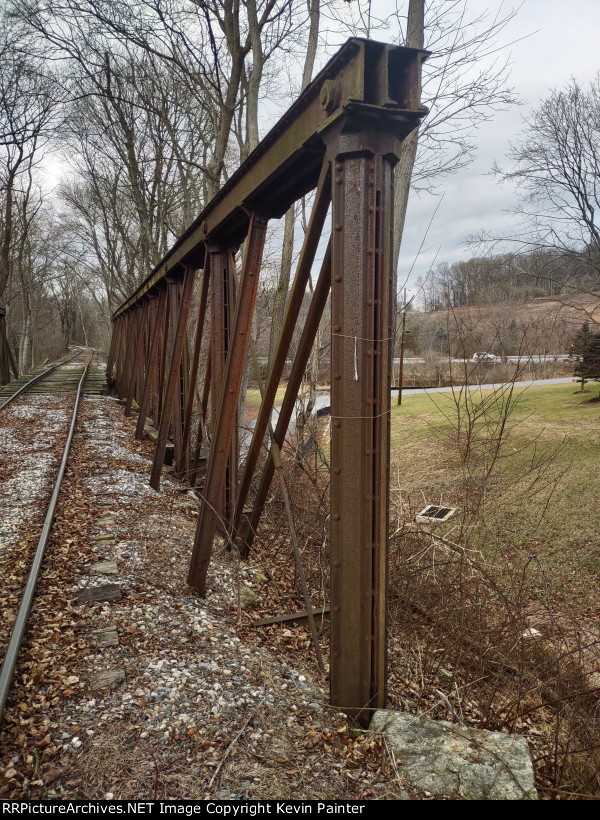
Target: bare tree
[
  {"x": 28, "y": 103},
  {"x": 287, "y": 247},
  {"x": 556, "y": 168}
]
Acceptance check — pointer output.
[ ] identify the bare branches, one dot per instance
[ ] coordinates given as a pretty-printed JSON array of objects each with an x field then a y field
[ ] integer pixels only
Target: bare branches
[{"x": 556, "y": 168}]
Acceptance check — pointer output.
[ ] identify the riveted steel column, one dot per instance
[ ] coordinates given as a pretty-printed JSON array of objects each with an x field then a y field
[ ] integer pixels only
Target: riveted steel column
[
  {"x": 249, "y": 525},
  {"x": 362, "y": 223},
  {"x": 226, "y": 420},
  {"x": 127, "y": 355},
  {"x": 172, "y": 386},
  {"x": 294, "y": 305},
  {"x": 110, "y": 363},
  {"x": 151, "y": 379},
  {"x": 184, "y": 466},
  {"x": 221, "y": 264},
  {"x": 121, "y": 330},
  {"x": 138, "y": 347}
]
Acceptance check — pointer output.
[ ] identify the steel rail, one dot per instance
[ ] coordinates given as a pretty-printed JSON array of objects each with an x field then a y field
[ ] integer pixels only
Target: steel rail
[
  {"x": 34, "y": 380},
  {"x": 18, "y": 632}
]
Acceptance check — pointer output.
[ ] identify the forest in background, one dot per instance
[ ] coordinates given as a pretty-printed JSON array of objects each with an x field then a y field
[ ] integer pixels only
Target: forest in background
[{"x": 120, "y": 121}]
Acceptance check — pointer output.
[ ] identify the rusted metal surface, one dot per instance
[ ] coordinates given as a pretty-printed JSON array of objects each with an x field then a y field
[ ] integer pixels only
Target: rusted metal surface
[
  {"x": 226, "y": 420},
  {"x": 296, "y": 297},
  {"x": 157, "y": 311},
  {"x": 249, "y": 525},
  {"x": 376, "y": 79},
  {"x": 222, "y": 263},
  {"x": 139, "y": 330},
  {"x": 342, "y": 137},
  {"x": 172, "y": 397},
  {"x": 361, "y": 342},
  {"x": 184, "y": 464}
]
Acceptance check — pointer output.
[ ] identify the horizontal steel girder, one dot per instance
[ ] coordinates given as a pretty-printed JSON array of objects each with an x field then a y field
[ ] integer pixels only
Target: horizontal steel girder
[{"x": 373, "y": 82}]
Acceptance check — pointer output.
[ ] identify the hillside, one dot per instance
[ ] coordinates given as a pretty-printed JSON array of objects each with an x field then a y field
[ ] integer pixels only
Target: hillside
[
  {"x": 543, "y": 325},
  {"x": 571, "y": 309}
]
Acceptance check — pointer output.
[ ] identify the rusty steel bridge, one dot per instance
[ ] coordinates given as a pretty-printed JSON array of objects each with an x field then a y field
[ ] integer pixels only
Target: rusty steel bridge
[{"x": 341, "y": 137}]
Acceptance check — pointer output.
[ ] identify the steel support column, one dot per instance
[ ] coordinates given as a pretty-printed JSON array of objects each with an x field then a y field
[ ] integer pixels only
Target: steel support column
[
  {"x": 221, "y": 262},
  {"x": 315, "y": 312},
  {"x": 138, "y": 348},
  {"x": 226, "y": 420},
  {"x": 361, "y": 322},
  {"x": 169, "y": 399},
  {"x": 294, "y": 305},
  {"x": 184, "y": 466},
  {"x": 158, "y": 307}
]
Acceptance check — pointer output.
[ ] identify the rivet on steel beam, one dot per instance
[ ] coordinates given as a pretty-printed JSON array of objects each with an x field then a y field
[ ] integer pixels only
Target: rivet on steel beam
[
  {"x": 337, "y": 563},
  {"x": 336, "y": 609},
  {"x": 336, "y": 516},
  {"x": 338, "y": 227},
  {"x": 338, "y": 180},
  {"x": 336, "y": 424},
  {"x": 337, "y": 471},
  {"x": 338, "y": 278},
  {"x": 339, "y": 166},
  {"x": 336, "y": 376},
  {"x": 337, "y": 328}
]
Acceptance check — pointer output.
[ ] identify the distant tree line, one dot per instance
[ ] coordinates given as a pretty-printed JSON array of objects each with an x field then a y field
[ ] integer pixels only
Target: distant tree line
[{"x": 506, "y": 277}]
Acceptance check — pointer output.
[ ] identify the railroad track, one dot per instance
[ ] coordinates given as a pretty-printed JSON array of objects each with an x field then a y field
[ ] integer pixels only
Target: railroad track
[
  {"x": 45, "y": 381},
  {"x": 54, "y": 378}
]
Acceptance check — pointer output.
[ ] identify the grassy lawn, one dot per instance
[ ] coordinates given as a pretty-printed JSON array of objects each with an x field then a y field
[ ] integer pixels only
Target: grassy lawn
[
  {"x": 253, "y": 396},
  {"x": 536, "y": 503}
]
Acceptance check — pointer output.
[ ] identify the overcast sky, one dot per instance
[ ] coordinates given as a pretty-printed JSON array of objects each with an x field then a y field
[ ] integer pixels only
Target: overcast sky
[{"x": 564, "y": 43}]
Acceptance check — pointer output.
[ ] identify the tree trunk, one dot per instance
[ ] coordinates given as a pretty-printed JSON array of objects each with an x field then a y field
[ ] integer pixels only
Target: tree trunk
[
  {"x": 287, "y": 250},
  {"x": 415, "y": 38},
  {"x": 283, "y": 283}
]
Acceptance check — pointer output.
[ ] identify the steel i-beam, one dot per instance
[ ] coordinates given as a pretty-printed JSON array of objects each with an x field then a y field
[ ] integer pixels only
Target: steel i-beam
[
  {"x": 361, "y": 332},
  {"x": 226, "y": 421},
  {"x": 222, "y": 308},
  {"x": 180, "y": 330}
]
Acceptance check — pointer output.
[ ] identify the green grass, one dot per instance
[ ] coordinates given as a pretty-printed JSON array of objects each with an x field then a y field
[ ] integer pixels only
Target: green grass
[
  {"x": 253, "y": 396},
  {"x": 553, "y": 522}
]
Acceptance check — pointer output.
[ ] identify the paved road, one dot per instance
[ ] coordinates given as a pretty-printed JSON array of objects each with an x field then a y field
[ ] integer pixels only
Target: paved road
[
  {"x": 323, "y": 400},
  {"x": 413, "y": 391},
  {"x": 537, "y": 358}
]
